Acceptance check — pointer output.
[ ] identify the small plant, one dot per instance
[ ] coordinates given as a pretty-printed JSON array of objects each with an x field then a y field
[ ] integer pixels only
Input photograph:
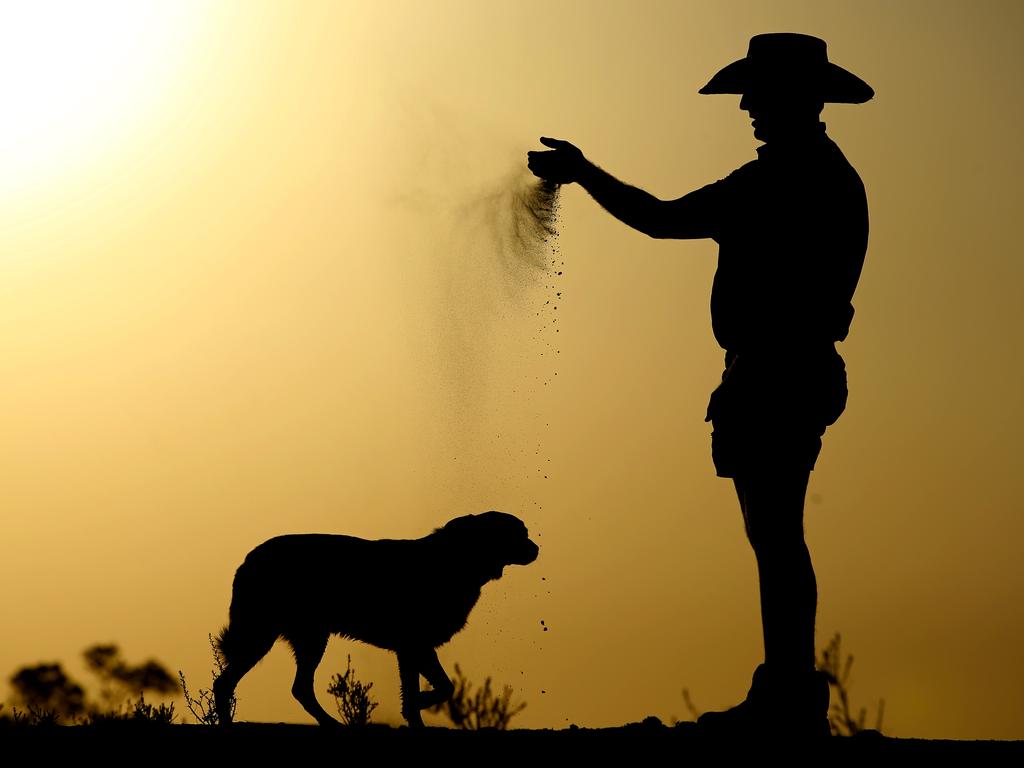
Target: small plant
[
  {"x": 838, "y": 673},
  {"x": 143, "y": 711},
  {"x": 352, "y": 697},
  {"x": 137, "y": 711},
  {"x": 203, "y": 705},
  {"x": 47, "y": 694},
  {"x": 483, "y": 709},
  {"x": 29, "y": 717}
]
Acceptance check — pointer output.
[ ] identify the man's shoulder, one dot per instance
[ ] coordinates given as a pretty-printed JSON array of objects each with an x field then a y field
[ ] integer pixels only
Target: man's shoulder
[
  {"x": 746, "y": 171},
  {"x": 741, "y": 178},
  {"x": 838, "y": 158},
  {"x": 823, "y": 167},
  {"x": 844, "y": 181}
]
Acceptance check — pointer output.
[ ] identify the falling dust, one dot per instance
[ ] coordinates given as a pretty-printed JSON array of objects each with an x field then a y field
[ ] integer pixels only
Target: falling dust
[
  {"x": 487, "y": 308},
  {"x": 531, "y": 231},
  {"x": 518, "y": 221},
  {"x": 499, "y": 331},
  {"x": 500, "y": 297}
]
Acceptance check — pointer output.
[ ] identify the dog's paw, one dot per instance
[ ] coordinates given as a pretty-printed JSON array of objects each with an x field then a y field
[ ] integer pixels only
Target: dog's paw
[{"x": 414, "y": 719}]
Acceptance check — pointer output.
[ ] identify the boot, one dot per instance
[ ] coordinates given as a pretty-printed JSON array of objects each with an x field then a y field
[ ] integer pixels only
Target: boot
[{"x": 790, "y": 705}]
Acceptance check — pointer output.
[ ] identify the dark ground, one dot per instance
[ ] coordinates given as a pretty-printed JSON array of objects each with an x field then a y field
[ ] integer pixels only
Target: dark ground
[{"x": 638, "y": 744}]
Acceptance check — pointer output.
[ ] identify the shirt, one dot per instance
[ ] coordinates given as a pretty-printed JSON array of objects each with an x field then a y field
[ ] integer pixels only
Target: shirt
[{"x": 792, "y": 229}]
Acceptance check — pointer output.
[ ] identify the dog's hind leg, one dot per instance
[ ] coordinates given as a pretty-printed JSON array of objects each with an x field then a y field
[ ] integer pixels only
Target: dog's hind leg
[
  {"x": 241, "y": 651},
  {"x": 309, "y": 650}
]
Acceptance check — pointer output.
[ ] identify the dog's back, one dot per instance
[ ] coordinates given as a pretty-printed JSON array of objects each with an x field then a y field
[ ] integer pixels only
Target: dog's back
[{"x": 388, "y": 592}]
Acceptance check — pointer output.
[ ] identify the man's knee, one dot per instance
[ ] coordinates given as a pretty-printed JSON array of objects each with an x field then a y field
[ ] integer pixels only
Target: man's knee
[
  {"x": 773, "y": 511},
  {"x": 771, "y": 540}
]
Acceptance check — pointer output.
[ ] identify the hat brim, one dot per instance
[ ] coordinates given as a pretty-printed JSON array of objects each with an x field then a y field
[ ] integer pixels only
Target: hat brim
[{"x": 829, "y": 82}]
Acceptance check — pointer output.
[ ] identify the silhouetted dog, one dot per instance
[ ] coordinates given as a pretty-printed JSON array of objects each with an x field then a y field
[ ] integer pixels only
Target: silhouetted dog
[{"x": 407, "y": 595}]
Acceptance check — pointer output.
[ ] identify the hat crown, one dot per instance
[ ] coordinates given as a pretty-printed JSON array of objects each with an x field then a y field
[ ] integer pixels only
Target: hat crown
[{"x": 788, "y": 48}]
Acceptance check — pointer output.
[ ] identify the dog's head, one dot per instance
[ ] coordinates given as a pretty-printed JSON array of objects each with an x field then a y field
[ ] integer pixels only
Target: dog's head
[{"x": 492, "y": 540}]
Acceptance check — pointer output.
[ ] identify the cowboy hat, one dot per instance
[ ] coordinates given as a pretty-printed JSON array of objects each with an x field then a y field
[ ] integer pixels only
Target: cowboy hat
[{"x": 786, "y": 61}]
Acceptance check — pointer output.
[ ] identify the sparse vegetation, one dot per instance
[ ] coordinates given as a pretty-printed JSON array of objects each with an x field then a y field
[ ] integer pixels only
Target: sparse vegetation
[
  {"x": 136, "y": 711},
  {"x": 203, "y": 705},
  {"x": 31, "y": 717},
  {"x": 44, "y": 694},
  {"x": 120, "y": 681},
  {"x": 352, "y": 697},
  {"x": 45, "y": 691},
  {"x": 483, "y": 709},
  {"x": 840, "y": 717}
]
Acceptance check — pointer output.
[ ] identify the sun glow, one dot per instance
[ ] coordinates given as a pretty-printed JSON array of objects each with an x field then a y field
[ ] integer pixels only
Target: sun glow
[{"x": 77, "y": 78}]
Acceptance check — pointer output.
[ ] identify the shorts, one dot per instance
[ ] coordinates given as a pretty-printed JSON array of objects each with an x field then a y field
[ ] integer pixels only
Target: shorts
[{"x": 771, "y": 411}]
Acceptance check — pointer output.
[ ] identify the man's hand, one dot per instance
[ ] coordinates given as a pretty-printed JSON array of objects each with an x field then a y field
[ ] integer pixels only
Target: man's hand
[{"x": 564, "y": 164}]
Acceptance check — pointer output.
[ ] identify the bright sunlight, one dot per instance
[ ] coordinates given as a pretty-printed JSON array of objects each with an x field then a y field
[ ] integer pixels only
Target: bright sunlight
[{"x": 78, "y": 78}]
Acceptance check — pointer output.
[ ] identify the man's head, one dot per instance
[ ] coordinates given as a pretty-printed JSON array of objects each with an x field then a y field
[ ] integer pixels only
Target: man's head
[
  {"x": 780, "y": 114},
  {"x": 786, "y": 79}
]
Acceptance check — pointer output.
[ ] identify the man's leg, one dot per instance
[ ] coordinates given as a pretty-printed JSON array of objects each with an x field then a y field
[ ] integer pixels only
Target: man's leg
[
  {"x": 773, "y": 509},
  {"x": 787, "y": 696}
]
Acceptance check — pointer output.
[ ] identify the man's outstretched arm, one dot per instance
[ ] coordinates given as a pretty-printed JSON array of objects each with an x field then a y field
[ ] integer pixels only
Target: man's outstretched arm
[{"x": 688, "y": 217}]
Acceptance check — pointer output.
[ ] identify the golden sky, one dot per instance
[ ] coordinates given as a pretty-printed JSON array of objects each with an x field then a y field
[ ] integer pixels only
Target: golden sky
[{"x": 247, "y": 287}]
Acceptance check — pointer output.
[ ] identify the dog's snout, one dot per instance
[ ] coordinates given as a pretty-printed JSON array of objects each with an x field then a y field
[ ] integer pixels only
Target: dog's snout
[{"x": 528, "y": 553}]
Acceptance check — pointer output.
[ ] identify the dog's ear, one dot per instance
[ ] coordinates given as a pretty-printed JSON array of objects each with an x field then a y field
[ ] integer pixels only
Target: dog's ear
[
  {"x": 485, "y": 524},
  {"x": 497, "y": 528},
  {"x": 464, "y": 524}
]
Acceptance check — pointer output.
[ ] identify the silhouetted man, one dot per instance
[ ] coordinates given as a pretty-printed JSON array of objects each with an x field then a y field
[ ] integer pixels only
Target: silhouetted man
[{"x": 792, "y": 230}]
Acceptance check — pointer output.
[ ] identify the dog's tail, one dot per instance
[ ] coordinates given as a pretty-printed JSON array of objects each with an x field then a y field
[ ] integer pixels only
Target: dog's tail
[
  {"x": 222, "y": 644},
  {"x": 246, "y": 622}
]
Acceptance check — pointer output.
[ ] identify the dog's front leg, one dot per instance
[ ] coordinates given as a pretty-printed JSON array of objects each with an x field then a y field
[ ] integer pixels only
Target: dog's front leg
[
  {"x": 412, "y": 664},
  {"x": 409, "y": 675},
  {"x": 440, "y": 684}
]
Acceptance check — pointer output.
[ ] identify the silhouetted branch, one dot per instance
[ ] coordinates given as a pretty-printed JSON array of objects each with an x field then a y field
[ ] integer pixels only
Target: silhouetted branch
[
  {"x": 838, "y": 673},
  {"x": 694, "y": 712},
  {"x": 474, "y": 711},
  {"x": 203, "y": 705}
]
